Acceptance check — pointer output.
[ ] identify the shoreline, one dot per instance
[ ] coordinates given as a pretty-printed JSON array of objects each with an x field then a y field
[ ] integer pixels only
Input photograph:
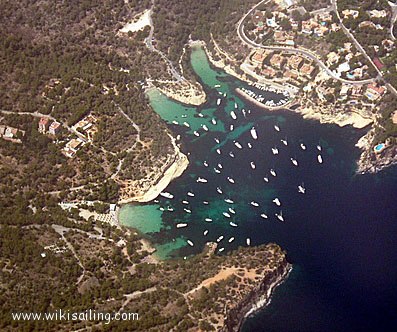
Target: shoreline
[
  {"x": 259, "y": 104},
  {"x": 163, "y": 178}
]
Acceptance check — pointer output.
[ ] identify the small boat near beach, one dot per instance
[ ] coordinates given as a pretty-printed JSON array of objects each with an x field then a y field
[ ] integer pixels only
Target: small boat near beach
[
  {"x": 233, "y": 224},
  {"x": 208, "y": 219},
  {"x": 221, "y": 249},
  {"x": 218, "y": 151},
  {"x": 254, "y": 203},
  {"x": 238, "y": 144},
  {"x": 303, "y": 146},
  {"x": 187, "y": 210},
  {"x": 280, "y": 216},
  {"x": 190, "y": 194},
  {"x": 181, "y": 225},
  {"x": 219, "y": 239},
  {"x": 231, "y": 240},
  {"x": 277, "y": 128},
  {"x": 196, "y": 133},
  {"x": 190, "y": 243},
  {"x": 205, "y": 232},
  {"x": 254, "y": 133},
  {"x": 294, "y": 162},
  {"x": 248, "y": 241},
  {"x": 205, "y": 163},
  {"x": 252, "y": 165},
  {"x": 228, "y": 200},
  {"x": 201, "y": 180},
  {"x": 274, "y": 151},
  {"x": 166, "y": 195},
  {"x": 276, "y": 201},
  {"x": 231, "y": 154},
  {"x": 233, "y": 115},
  {"x": 219, "y": 190},
  {"x": 264, "y": 216},
  {"x": 227, "y": 215},
  {"x": 320, "y": 159},
  {"x": 273, "y": 172},
  {"x": 266, "y": 179},
  {"x": 231, "y": 180},
  {"x": 218, "y": 102}
]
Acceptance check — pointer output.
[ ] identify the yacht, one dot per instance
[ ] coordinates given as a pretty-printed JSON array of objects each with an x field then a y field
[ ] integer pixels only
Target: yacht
[
  {"x": 232, "y": 211},
  {"x": 264, "y": 216},
  {"x": 187, "y": 210},
  {"x": 319, "y": 147},
  {"x": 205, "y": 127},
  {"x": 238, "y": 144},
  {"x": 208, "y": 219},
  {"x": 230, "y": 179},
  {"x": 218, "y": 102},
  {"x": 205, "y": 163},
  {"x": 254, "y": 133},
  {"x": 181, "y": 225},
  {"x": 254, "y": 204},
  {"x": 190, "y": 194},
  {"x": 244, "y": 113},
  {"x": 266, "y": 179},
  {"x": 216, "y": 140},
  {"x": 186, "y": 124},
  {"x": 200, "y": 115},
  {"x": 217, "y": 86},
  {"x": 284, "y": 141},
  {"x": 219, "y": 190},
  {"x": 235, "y": 105},
  {"x": 227, "y": 215},
  {"x": 175, "y": 122},
  {"x": 219, "y": 239},
  {"x": 320, "y": 159},
  {"x": 301, "y": 189},
  {"x": 252, "y": 165},
  {"x": 183, "y": 116},
  {"x": 231, "y": 127},
  {"x": 156, "y": 201},
  {"x": 249, "y": 145},
  {"x": 170, "y": 209},
  {"x": 190, "y": 243},
  {"x": 248, "y": 241},
  {"x": 276, "y": 201},
  {"x": 280, "y": 216},
  {"x": 161, "y": 209},
  {"x": 273, "y": 172},
  {"x": 205, "y": 232},
  {"x": 217, "y": 170},
  {"x": 213, "y": 121},
  {"x": 231, "y": 154},
  {"x": 201, "y": 180},
  {"x": 303, "y": 146},
  {"x": 218, "y": 151},
  {"x": 166, "y": 195},
  {"x": 205, "y": 203},
  {"x": 185, "y": 202},
  {"x": 277, "y": 128},
  {"x": 227, "y": 200},
  {"x": 294, "y": 161},
  {"x": 233, "y": 224},
  {"x": 221, "y": 249},
  {"x": 233, "y": 115},
  {"x": 231, "y": 240},
  {"x": 220, "y": 166},
  {"x": 274, "y": 151}
]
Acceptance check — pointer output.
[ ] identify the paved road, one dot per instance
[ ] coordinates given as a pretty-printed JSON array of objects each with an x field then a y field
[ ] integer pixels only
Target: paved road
[
  {"x": 306, "y": 53},
  {"x": 393, "y": 19}
]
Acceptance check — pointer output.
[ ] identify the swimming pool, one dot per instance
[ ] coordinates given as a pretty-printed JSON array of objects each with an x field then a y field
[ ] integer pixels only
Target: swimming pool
[{"x": 379, "y": 147}]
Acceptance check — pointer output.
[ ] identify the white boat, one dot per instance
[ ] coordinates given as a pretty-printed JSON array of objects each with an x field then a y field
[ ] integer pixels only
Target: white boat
[
  {"x": 185, "y": 202},
  {"x": 303, "y": 146},
  {"x": 213, "y": 121},
  {"x": 219, "y": 190},
  {"x": 220, "y": 166},
  {"x": 178, "y": 137},
  {"x": 205, "y": 163},
  {"x": 205, "y": 232},
  {"x": 166, "y": 195},
  {"x": 227, "y": 200},
  {"x": 320, "y": 159},
  {"x": 218, "y": 151},
  {"x": 238, "y": 144},
  {"x": 235, "y": 105},
  {"x": 219, "y": 239},
  {"x": 301, "y": 189},
  {"x": 248, "y": 241},
  {"x": 264, "y": 216},
  {"x": 161, "y": 209},
  {"x": 205, "y": 127},
  {"x": 231, "y": 154},
  {"x": 280, "y": 216},
  {"x": 231, "y": 240},
  {"x": 186, "y": 124},
  {"x": 232, "y": 211},
  {"x": 233, "y": 115},
  {"x": 319, "y": 147},
  {"x": 254, "y": 133},
  {"x": 221, "y": 249},
  {"x": 227, "y": 215},
  {"x": 273, "y": 172},
  {"x": 181, "y": 225},
  {"x": 200, "y": 115},
  {"x": 224, "y": 95},
  {"x": 217, "y": 170},
  {"x": 274, "y": 151},
  {"x": 294, "y": 161},
  {"x": 205, "y": 203},
  {"x": 216, "y": 140},
  {"x": 187, "y": 210},
  {"x": 277, "y": 201},
  {"x": 266, "y": 179},
  {"x": 184, "y": 116},
  {"x": 217, "y": 86},
  {"x": 230, "y": 179},
  {"x": 201, "y": 180},
  {"x": 208, "y": 219},
  {"x": 190, "y": 194},
  {"x": 231, "y": 127},
  {"x": 254, "y": 204},
  {"x": 218, "y": 102},
  {"x": 277, "y": 128},
  {"x": 196, "y": 133},
  {"x": 233, "y": 224},
  {"x": 175, "y": 122},
  {"x": 284, "y": 141},
  {"x": 156, "y": 201},
  {"x": 170, "y": 209},
  {"x": 252, "y": 165},
  {"x": 244, "y": 112},
  {"x": 190, "y": 243}
]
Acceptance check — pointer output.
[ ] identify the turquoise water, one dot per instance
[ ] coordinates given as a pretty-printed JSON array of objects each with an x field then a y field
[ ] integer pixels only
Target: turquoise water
[
  {"x": 379, "y": 147},
  {"x": 339, "y": 235}
]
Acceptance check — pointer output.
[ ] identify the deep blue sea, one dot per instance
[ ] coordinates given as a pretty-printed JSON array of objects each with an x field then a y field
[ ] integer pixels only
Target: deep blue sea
[{"x": 340, "y": 236}]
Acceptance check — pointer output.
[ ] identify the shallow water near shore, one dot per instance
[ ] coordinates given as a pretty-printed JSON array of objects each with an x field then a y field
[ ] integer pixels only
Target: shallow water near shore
[{"x": 340, "y": 235}]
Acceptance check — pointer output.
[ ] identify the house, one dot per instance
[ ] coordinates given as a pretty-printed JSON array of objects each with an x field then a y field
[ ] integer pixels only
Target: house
[
  {"x": 367, "y": 24},
  {"x": 377, "y": 13},
  {"x": 283, "y": 37},
  {"x": 320, "y": 31},
  {"x": 294, "y": 62},
  {"x": 268, "y": 72},
  {"x": 43, "y": 125},
  {"x": 345, "y": 89},
  {"x": 55, "y": 128},
  {"x": 307, "y": 70},
  {"x": 10, "y": 132},
  {"x": 332, "y": 58},
  {"x": 72, "y": 147},
  {"x": 277, "y": 61},
  {"x": 374, "y": 92},
  {"x": 350, "y": 13},
  {"x": 258, "y": 57},
  {"x": 357, "y": 91},
  {"x": 307, "y": 27},
  {"x": 324, "y": 17}
]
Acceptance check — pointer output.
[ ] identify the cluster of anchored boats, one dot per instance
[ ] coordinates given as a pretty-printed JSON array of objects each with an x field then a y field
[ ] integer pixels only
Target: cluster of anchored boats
[{"x": 265, "y": 101}]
